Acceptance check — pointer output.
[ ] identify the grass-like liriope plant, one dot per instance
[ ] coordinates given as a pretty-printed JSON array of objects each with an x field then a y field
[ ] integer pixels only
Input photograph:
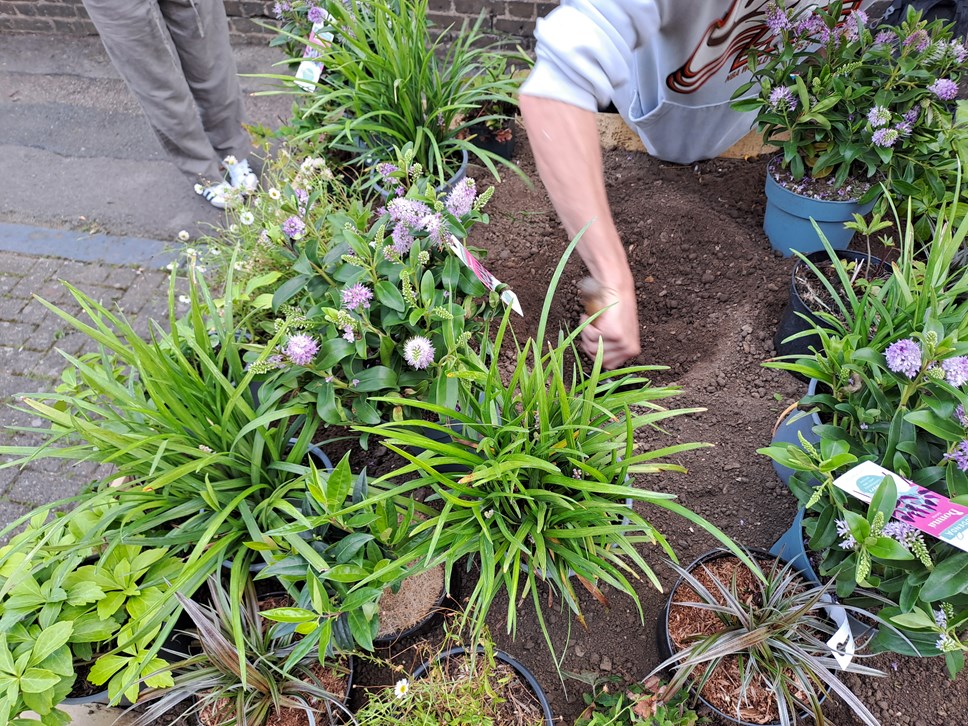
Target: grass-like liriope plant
[
  {"x": 545, "y": 489},
  {"x": 201, "y": 467},
  {"x": 389, "y": 81}
]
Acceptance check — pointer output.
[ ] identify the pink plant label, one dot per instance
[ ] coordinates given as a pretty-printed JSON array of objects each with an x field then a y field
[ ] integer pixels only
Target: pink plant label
[
  {"x": 922, "y": 508},
  {"x": 480, "y": 272},
  {"x": 310, "y": 69}
]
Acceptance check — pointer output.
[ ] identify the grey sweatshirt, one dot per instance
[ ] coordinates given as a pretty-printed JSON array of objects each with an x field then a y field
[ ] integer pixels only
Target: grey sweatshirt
[{"x": 669, "y": 66}]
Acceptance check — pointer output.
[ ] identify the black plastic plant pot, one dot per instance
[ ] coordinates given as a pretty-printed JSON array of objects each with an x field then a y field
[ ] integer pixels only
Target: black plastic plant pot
[
  {"x": 486, "y": 140},
  {"x": 791, "y": 321},
  {"x": 446, "y": 602},
  {"x": 522, "y": 672},
  {"x": 441, "y": 189},
  {"x": 664, "y": 640}
]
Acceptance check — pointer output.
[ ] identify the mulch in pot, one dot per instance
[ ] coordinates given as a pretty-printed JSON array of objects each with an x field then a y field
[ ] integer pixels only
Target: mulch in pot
[
  {"x": 416, "y": 600},
  {"x": 686, "y": 623}
]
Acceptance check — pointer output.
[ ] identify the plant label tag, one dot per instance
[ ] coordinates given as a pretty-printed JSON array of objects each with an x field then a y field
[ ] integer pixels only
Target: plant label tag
[
  {"x": 922, "y": 508},
  {"x": 481, "y": 273},
  {"x": 309, "y": 69},
  {"x": 841, "y": 643}
]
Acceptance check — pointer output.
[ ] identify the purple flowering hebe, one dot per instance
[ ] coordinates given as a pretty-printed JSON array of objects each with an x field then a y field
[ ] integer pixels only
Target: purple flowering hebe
[
  {"x": 853, "y": 104},
  {"x": 389, "y": 307}
]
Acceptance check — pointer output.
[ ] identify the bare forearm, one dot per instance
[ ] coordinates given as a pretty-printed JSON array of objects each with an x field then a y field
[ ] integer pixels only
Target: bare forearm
[{"x": 564, "y": 140}]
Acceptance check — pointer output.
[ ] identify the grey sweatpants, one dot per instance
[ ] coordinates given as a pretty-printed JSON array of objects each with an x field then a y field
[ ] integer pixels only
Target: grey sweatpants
[{"x": 193, "y": 101}]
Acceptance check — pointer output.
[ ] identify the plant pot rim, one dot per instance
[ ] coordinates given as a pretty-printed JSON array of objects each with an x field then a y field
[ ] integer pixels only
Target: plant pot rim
[
  {"x": 822, "y": 256},
  {"x": 771, "y": 178},
  {"x": 665, "y": 640},
  {"x": 505, "y": 658}
]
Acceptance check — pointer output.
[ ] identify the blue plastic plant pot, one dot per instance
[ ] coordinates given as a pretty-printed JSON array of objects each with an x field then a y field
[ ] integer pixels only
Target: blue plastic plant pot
[
  {"x": 789, "y": 218},
  {"x": 788, "y": 431},
  {"x": 791, "y": 548}
]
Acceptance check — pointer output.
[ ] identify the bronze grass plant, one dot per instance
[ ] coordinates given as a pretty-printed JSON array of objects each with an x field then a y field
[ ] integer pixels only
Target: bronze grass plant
[
  {"x": 778, "y": 635},
  {"x": 247, "y": 682}
]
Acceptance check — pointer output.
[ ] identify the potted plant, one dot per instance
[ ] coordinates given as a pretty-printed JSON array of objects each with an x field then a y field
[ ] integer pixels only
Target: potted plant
[
  {"x": 462, "y": 685},
  {"x": 354, "y": 599},
  {"x": 186, "y": 483},
  {"x": 891, "y": 390},
  {"x": 541, "y": 492},
  {"x": 61, "y": 576},
  {"x": 389, "y": 309},
  {"x": 390, "y": 82},
  {"x": 250, "y": 671},
  {"x": 492, "y": 123},
  {"x": 850, "y": 106},
  {"x": 819, "y": 288},
  {"x": 751, "y": 641}
]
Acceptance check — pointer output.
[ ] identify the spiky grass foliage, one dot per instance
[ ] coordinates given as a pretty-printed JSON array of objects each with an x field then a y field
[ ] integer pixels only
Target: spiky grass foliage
[
  {"x": 228, "y": 684},
  {"x": 778, "y": 634}
]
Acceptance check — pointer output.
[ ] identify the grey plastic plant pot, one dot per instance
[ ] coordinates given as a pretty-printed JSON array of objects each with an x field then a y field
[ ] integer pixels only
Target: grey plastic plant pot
[
  {"x": 522, "y": 672},
  {"x": 789, "y": 430},
  {"x": 788, "y": 222},
  {"x": 664, "y": 641},
  {"x": 441, "y": 189}
]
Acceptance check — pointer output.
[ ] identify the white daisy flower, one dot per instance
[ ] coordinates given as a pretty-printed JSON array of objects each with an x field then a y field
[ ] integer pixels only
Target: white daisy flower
[
  {"x": 274, "y": 193},
  {"x": 402, "y": 688},
  {"x": 246, "y": 218},
  {"x": 184, "y": 236},
  {"x": 184, "y": 299},
  {"x": 230, "y": 160}
]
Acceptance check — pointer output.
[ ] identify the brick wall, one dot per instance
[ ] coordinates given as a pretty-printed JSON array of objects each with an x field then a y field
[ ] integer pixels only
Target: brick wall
[{"x": 502, "y": 17}]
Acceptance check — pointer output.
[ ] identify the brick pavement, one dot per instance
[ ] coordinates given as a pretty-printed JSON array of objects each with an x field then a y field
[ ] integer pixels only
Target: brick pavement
[{"x": 30, "y": 337}]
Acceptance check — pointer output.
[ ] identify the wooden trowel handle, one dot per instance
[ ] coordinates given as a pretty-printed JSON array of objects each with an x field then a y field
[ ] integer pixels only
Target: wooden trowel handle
[{"x": 594, "y": 295}]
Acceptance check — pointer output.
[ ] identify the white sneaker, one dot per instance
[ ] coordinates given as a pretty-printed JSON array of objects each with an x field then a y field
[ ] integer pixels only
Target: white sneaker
[
  {"x": 240, "y": 175},
  {"x": 217, "y": 194}
]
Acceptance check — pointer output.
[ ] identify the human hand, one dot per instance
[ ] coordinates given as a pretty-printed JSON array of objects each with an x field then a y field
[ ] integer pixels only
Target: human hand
[{"x": 617, "y": 329}]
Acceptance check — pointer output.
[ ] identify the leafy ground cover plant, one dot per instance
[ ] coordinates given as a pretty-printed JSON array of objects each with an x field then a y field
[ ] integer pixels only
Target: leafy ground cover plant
[
  {"x": 328, "y": 555},
  {"x": 386, "y": 309},
  {"x": 757, "y": 637},
  {"x": 892, "y": 392},
  {"x": 542, "y": 483},
  {"x": 612, "y": 702},
  {"x": 389, "y": 82},
  {"x": 61, "y": 577},
  {"x": 849, "y": 104},
  {"x": 249, "y": 670}
]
